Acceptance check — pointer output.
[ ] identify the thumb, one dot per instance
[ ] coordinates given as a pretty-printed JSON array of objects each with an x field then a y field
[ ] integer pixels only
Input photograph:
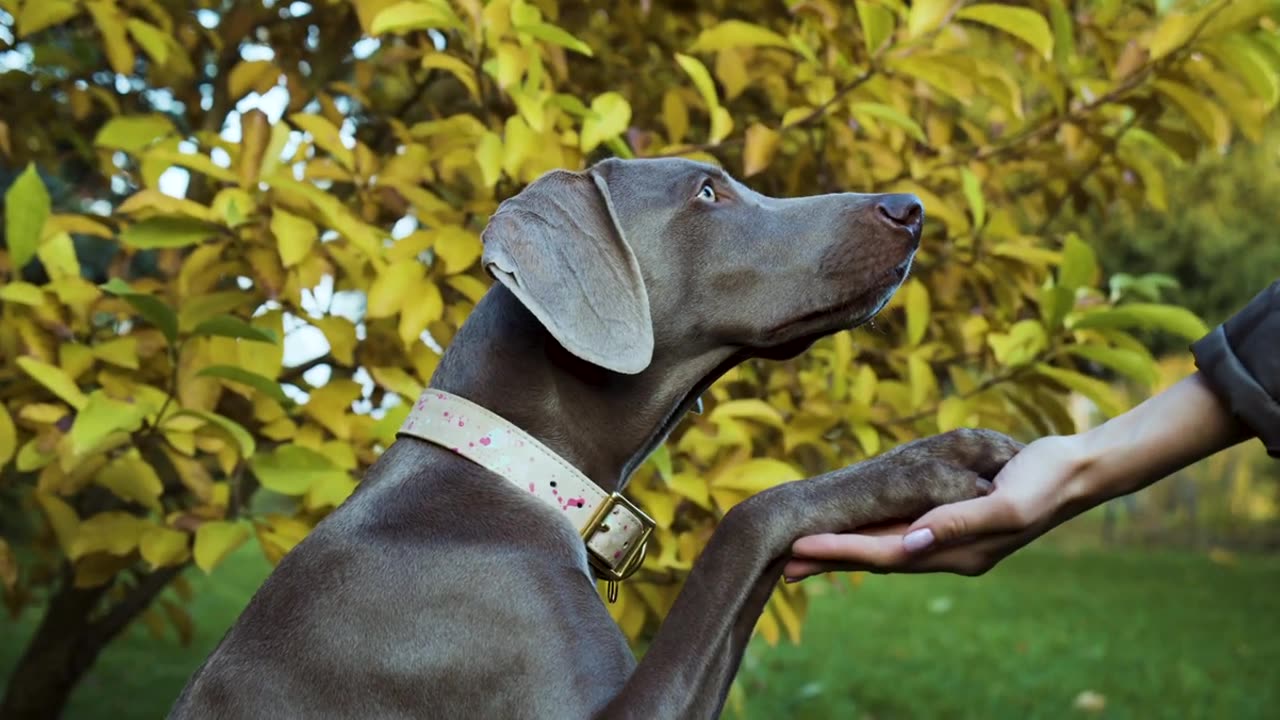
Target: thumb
[{"x": 957, "y": 521}]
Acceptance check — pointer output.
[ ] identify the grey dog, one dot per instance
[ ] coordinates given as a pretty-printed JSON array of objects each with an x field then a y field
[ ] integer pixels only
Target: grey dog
[{"x": 437, "y": 590}]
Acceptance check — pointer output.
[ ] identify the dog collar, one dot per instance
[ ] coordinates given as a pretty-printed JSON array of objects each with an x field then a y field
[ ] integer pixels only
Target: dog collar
[{"x": 614, "y": 530}]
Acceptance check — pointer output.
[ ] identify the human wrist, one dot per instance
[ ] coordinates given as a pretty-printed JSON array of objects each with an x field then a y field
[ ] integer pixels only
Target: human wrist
[{"x": 1165, "y": 433}]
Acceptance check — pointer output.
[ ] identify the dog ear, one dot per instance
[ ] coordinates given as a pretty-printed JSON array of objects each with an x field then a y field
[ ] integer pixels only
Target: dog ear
[{"x": 558, "y": 247}]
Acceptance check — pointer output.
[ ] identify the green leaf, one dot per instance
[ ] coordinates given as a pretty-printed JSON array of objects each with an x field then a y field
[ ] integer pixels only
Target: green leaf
[
  {"x": 293, "y": 469},
  {"x": 1204, "y": 114},
  {"x": 26, "y": 208},
  {"x": 216, "y": 540},
  {"x": 1023, "y": 23},
  {"x": 1079, "y": 264},
  {"x": 132, "y": 478},
  {"x": 1064, "y": 38},
  {"x": 1150, "y": 316},
  {"x": 877, "y": 24},
  {"x": 1099, "y": 392},
  {"x": 233, "y": 327},
  {"x": 262, "y": 384},
  {"x": 1126, "y": 362},
  {"x": 892, "y": 115},
  {"x": 133, "y": 133},
  {"x": 151, "y": 308},
  {"x": 661, "y": 459},
  {"x": 737, "y": 33},
  {"x": 167, "y": 232},
  {"x": 973, "y": 194},
  {"x": 556, "y": 36}
]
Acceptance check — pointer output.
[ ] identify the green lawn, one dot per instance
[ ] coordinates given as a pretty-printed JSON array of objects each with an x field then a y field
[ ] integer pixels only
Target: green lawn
[{"x": 1156, "y": 635}]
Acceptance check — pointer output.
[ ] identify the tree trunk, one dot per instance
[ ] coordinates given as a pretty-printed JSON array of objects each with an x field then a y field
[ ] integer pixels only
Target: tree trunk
[{"x": 68, "y": 641}]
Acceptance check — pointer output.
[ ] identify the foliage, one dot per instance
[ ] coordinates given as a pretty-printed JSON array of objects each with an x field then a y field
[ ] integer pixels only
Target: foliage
[
  {"x": 254, "y": 180},
  {"x": 1216, "y": 238}
]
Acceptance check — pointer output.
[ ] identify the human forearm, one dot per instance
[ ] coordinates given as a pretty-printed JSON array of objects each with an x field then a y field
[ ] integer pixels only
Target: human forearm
[{"x": 1175, "y": 428}]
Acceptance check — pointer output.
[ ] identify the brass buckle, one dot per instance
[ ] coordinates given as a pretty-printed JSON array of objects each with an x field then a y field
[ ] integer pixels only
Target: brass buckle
[{"x": 635, "y": 554}]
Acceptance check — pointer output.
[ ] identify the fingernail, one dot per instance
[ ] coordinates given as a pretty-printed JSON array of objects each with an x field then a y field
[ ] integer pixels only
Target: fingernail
[
  {"x": 918, "y": 540},
  {"x": 789, "y": 580}
]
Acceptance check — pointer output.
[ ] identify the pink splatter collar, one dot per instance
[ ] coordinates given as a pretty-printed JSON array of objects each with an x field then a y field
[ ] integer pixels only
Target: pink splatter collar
[{"x": 615, "y": 531}]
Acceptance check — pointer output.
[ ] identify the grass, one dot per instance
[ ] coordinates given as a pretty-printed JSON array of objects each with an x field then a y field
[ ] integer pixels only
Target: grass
[{"x": 1156, "y": 635}]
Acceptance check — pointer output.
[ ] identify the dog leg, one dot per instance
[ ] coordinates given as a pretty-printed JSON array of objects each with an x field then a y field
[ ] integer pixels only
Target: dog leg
[{"x": 687, "y": 671}]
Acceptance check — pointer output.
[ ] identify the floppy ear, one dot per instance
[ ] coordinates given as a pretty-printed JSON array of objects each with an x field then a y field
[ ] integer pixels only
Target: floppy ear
[{"x": 557, "y": 246}]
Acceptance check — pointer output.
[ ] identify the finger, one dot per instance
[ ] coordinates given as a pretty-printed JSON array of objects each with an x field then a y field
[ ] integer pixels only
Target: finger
[
  {"x": 797, "y": 570},
  {"x": 868, "y": 550},
  {"x": 965, "y": 519}
]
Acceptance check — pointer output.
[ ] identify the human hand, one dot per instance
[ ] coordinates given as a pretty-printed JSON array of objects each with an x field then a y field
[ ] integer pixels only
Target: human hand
[{"x": 1041, "y": 487}]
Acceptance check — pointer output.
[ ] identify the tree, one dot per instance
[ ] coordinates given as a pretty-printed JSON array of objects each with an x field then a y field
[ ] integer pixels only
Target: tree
[{"x": 242, "y": 182}]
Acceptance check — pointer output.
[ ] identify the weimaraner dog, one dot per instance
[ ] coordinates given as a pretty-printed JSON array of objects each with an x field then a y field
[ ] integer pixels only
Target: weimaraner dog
[{"x": 444, "y": 588}]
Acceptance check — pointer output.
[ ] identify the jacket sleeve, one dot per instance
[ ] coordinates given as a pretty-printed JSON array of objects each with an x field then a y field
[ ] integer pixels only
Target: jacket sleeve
[{"x": 1240, "y": 359}]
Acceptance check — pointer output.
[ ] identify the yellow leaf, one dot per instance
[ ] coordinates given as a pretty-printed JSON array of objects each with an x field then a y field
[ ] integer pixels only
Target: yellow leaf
[
  {"x": 1023, "y": 23},
  {"x": 611, "y": 115},
  {"x": 27, "y": 206},
  {"x": 341, "y": 335},
  {"x": 749, "y": 409},
  {"x": 150, "y": 38},
  {"x": 692, "y": 487},
  {"x": 58, "y": 254},
  {"x": 413, "y": 15},
  {"x": 761, "y": 144},
  {"x": 1174, "y": 30},
  {"x": 756, "y": 474},
  {"x": 215, "y": 540},
  {"x": 554, "y": 35},
  {"x": 62, "y": 518},
  {"x": 767, "y": 627},
  {"x": 489, "y": 157},
  {"x": 455, "y": 66},
  {"x": 397, "y": 380},
  {"x": 471, "y": 287},
  {"x": 149, "y": 202},
  {"x": 697, "y": 72},
  {"x": 942, "y": 76},
  {"x": 8, "y": 437},
  {"x": 112, "y": 532},
  {"x": 326, "y": 136},
  {"x": 37, "y": 16},
  {"x": 99, "y": 417},
  {"x": 458, "y": 248},
  {"x": 926, "y": 16},
  {"x": 20, "y": 292},
  {"x": 252, "y": 76},
  {"x": 721, "y": 124},
  {"x": 892, "y": 115},
  {"x": 132, "y": 478},
  {"x": 111, "y": 23},
  {"x": 924, "y": 384},
  {"x": 1205, "y": 114},
  {"x": 917, "y": 303},
  {"x": 518, "y": 145},
  {"x": 868, "y": 437},
  {"x": 293, "y": 469},
  {"x": 295, "y": 236},
  {"x": 675, "y": 115},
  {"x": 737, "y": 33},
  {"x": 953, "y": 412},
  {"x": 55, "y": 380},
  {"x": 394, "y": 286},
  {"x": 416, "y": 316},
  {"x": 1096, "y": 390},
  {"x": 973, "y": 193},
  {"x": 164, "y": 547}
]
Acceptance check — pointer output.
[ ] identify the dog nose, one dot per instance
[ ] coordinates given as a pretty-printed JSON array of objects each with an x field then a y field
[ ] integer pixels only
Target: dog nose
[{"x": 902, "y": 210}]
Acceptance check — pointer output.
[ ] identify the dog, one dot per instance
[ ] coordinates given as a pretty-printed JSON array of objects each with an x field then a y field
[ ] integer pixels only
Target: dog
[{"x": 446, "y": 588}]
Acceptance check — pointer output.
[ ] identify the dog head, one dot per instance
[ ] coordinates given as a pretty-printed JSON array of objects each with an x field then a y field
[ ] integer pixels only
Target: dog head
[{"x": 632, "y": 255}]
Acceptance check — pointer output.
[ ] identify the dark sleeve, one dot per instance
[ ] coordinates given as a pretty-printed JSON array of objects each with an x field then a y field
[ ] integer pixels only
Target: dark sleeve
[{"x": 1240, "y": 359}]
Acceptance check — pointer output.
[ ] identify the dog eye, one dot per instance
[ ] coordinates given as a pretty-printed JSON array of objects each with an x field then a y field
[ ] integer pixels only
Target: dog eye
[{"x": 706, "y": 192}]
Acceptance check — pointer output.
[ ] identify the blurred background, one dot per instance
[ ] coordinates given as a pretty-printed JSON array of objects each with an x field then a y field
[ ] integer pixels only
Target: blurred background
[{"x": 238, "y": 235}]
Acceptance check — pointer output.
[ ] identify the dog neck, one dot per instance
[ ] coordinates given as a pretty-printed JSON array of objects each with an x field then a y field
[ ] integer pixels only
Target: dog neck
[{"x": 603, "y": 423}]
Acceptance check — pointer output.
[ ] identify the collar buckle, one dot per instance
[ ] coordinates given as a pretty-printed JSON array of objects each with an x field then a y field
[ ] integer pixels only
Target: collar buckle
[{"x": 633, "y": 556}]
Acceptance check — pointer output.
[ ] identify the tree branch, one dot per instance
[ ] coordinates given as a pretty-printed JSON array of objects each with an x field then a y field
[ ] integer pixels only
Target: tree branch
[{"x": 138, "y": 599}]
